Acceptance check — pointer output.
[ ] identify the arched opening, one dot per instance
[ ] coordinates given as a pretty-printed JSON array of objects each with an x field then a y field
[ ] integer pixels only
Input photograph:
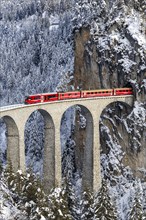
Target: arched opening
[
  {"x": 40, "y": 146},
  {"x": 77, "y": 146},
  {"x": 10, "y": 142},
  {"x": 114, "y": 139}
]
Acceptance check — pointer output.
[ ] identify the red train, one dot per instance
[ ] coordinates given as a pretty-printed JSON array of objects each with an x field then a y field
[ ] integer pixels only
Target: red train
[{"x": 49, "y": 97}]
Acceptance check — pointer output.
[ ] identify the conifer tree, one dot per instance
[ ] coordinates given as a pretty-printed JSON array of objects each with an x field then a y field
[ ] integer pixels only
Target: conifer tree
[
  {"x": 34, "y": 197},
  {"x": 137, "y": 212},
  {"x": 28, "y": 194},
  {"x": 87, "y": 211},
  {"x": 58, "y": 205},
  {"x": 72, "y": 199},
  {"x": 103, "y": 207},
  {"x": 9, "y": 174}
]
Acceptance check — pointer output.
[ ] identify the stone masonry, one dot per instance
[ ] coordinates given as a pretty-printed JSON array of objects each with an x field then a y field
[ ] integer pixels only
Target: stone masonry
[{"x": 16, "y": 118}]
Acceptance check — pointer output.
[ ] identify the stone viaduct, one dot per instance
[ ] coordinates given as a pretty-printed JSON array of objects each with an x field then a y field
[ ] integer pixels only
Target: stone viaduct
[{"x": 16, "y": 118}]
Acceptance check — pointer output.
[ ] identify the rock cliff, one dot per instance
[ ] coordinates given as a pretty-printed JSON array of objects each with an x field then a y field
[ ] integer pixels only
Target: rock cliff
[{"x": 110, "y": 53}]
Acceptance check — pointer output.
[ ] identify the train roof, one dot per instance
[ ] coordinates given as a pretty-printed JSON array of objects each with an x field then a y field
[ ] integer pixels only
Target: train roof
[
  {"x": 122, "y": 88},
  {"x": 69, "y": 92},
  {"x": 52, "y": 93},
  {"x": 97, "y": 90},
  {"x": 49, "y": 93}
]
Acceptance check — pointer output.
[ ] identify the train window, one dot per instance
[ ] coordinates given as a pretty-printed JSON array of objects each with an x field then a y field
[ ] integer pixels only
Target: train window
[
  {"x": 37, "y": 97},
  {"x": 51, "y": 96},
  {"x": 28, "y": 98}
]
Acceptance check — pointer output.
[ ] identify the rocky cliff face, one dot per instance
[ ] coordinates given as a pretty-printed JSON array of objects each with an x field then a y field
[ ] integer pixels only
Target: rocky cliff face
[
  {"x": 110, "y": 53},
  {"x": 111, "y": 60}
]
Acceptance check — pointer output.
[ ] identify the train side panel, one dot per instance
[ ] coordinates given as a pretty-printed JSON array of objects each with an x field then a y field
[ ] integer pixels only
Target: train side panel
[
  {"x": 96, "y": 93},
  {"x": 50, "y": 97},
  {"x": 33, "y": 99},
  {"x": 69, "y": 95},
  {"x": 123, "y": 91}
]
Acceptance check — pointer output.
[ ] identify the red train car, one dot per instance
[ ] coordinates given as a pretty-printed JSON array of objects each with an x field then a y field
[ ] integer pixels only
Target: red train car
[
  {"x": 69, "y": 95},
  {"x": 123, "y": 91},
  {"x": 96, "y": 93},
  {"x": 32, "y": 99},
  {"x": 48, "y": 97}
]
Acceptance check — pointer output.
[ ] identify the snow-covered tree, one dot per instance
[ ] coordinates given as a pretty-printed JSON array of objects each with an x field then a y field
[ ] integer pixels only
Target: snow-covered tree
[
  {"x": 72, "y": 198},
  {"x": 68, "y": 159},
  {"x": 137, "y": 212},
  {"x": 103, "y": 207},
  {"x": 58, "y": 205},
  {"x": 34, "y": 140},
  {"x": 87, "y": 208},
  {"x": 27, "y": 192}
]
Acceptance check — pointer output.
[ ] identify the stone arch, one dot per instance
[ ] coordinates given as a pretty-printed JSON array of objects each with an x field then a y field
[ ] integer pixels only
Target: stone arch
[
  {"x": 48, "y": 150},
  {"x": 12, "y": 136},
  {"x": 82, "y": 137},
  {"x": 119, "y": 106},
  {"x": 113, "y": 117}
]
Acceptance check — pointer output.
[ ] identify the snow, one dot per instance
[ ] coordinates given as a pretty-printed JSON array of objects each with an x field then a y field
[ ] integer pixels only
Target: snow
[
  {"x": 7, "y": 207},
  {"x": 134, "y": 24},
  {"x": 143, "y": 85},
  {"x": 42, "y": 218},
  {"x": 5, "y": 212},
  {"x": 126, "y": 63},
  {"x": 60, "y": 213},
  {"x": 54, "y": 22},
  {"x": 139, "y": 114},
  {"x": 103, "y": 43}
]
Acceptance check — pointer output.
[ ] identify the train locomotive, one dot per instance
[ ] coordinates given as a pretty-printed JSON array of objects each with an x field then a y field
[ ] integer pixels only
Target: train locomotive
[{"x": 56, "y": 96}]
